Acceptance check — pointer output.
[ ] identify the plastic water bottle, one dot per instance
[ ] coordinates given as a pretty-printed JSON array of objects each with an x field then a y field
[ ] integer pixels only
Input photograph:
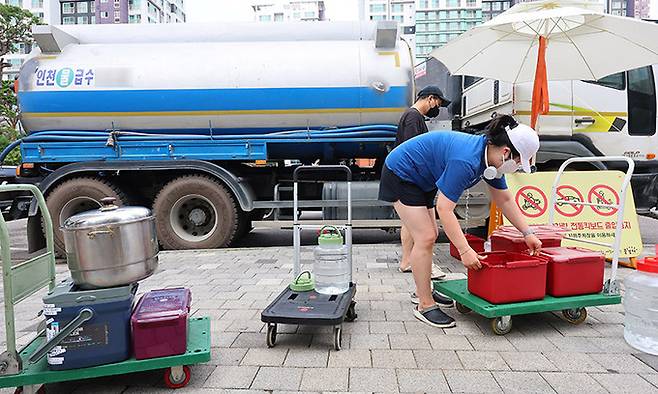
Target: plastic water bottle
[
  {"x": 641, "y": 306},
  {"x": 331, "y": 267}
]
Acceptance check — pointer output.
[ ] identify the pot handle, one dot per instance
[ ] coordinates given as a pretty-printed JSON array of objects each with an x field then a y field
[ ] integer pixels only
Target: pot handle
[
  {"x": 84, "y": 315},
  {"x": 92, "y": 234}
]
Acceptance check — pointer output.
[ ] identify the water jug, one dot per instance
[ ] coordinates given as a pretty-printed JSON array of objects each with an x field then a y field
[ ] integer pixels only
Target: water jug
[
  {"x": 331, "y": 266},
  {"x": 641, "y": 306}
]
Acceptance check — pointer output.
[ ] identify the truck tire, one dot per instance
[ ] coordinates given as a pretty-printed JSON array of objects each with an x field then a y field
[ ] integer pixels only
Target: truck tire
[
  {"x": 195, "y": 212},
  {"x": 78, "y": 195}
]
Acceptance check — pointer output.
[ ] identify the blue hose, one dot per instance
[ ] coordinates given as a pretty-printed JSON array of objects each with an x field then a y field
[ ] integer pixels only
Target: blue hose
[
  {"x": 8, "y": 149},
  {"x": 95, "y": 136}
]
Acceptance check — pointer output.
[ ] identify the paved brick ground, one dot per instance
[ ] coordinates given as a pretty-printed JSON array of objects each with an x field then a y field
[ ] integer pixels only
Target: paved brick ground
[{"x": 385, "y": 350}]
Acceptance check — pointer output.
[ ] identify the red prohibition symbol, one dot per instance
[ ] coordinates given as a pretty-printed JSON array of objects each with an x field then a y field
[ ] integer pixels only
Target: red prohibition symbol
[
  {"x": 532, "y": 201},
  {"x": 603, "y": 194},
  {"x": 569, "y": 194}
]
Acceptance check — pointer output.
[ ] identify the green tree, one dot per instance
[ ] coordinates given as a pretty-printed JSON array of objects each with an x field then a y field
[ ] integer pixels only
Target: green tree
[
  {"x": 7, "y": 136},
  {"x": 15, "y": 28},
  {"x": 8, "y": 104}
]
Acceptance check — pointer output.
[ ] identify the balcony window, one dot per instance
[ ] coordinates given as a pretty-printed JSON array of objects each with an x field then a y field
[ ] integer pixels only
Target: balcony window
[
  {"x": 68, "y": 8},
  {"x": 377, "y": 8}
]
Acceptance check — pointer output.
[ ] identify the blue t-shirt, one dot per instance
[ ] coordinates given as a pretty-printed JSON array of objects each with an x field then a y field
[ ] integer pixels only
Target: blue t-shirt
[{"x": 451, "y": 161}]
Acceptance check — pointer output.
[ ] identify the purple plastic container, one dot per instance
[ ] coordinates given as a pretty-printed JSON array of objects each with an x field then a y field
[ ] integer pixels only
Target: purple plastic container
[{"x": 159, "y": 323}]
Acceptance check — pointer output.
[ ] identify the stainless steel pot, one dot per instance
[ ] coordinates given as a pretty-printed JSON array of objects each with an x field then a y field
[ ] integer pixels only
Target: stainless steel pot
[{"x": 111, "y": 246}]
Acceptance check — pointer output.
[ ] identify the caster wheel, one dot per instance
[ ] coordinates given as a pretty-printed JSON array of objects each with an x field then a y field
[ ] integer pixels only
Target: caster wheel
[
  {"x": 42, "y": 390},
  {"x": 351, "y": 312},
  {"x": 501, "y": 325},
  {"x": 178, "y": 380},
  {"x": 271, "y": 335},
  {"x": 338, "y": 337},
  {"x": 574, "y": 316},
  {"x": 462, "y": 308}
]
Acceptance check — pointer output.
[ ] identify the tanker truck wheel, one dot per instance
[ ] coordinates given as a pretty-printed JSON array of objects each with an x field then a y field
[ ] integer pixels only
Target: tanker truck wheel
[
  {"x": 195, "y": 212},
  {"x": 78, "y": 195}
]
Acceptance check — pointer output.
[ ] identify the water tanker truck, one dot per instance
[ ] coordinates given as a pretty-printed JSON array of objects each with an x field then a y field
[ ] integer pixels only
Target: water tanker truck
[{"x": 202, "y": 122}]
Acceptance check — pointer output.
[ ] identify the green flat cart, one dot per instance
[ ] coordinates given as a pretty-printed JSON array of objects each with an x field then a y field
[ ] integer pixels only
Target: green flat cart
[
  {"x": 25, "y": 279},
  {"x": 573, "y": 308}
]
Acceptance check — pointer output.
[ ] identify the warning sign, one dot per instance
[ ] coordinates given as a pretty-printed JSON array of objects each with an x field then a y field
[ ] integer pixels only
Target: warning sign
[
  {"x": 603, "y": 194},
  {"x": 532, "y": 201},
  {"x": 568, "y": 194},
  {"x": 532, "y": 194}
]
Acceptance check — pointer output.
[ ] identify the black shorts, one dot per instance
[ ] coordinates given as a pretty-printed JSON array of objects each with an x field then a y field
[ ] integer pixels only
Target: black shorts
[{"x": 392, "y": 188}]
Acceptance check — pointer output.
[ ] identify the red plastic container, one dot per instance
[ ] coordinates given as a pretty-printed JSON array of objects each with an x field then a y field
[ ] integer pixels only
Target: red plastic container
[
  {"x": 509, "y": 277},
  {"x": 508, "y": 241},
  {"x": 159, "y": 323},
  {"x": 573, "y": 271},
  {"x": 476, "y": 243}
]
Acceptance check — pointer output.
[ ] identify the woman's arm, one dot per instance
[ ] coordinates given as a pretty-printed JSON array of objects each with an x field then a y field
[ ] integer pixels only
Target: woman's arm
[
  {"x": 503, "y": 199},
  {"x": 446, "y": 210}
]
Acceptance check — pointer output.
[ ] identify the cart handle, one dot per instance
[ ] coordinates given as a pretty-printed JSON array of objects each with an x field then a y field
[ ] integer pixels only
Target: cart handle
[
  {"x": 84, "y": 315},
  {"x": 613, "y": 287}
]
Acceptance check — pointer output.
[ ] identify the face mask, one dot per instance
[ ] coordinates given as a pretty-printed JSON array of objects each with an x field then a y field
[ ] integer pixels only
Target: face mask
[
  {"x": 509, "y": 166},
  {"x": 433, "y": 112}
]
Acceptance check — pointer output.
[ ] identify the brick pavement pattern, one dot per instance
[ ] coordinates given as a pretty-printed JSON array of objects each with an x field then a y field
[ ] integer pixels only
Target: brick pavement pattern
[{"x": 385, "y": 350}]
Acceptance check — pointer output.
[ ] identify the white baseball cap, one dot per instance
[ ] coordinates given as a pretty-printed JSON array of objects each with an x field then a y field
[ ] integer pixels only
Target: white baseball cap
[{"x": 525, "y": 141}]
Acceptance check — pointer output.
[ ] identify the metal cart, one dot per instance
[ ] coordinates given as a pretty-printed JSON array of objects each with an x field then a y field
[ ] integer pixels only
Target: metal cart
[
  {"x": 27, "y": 370},
  {"x": 573, "y": 308},
  {"x": 311, "y": 307}
]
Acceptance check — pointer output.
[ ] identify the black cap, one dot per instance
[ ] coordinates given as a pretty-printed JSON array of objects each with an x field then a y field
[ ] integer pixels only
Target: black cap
[{"x": 433, "y": 91}]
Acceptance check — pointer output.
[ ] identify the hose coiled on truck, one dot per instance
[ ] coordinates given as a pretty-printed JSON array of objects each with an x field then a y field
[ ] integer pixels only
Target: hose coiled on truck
[{"x": 127, "y": 135}]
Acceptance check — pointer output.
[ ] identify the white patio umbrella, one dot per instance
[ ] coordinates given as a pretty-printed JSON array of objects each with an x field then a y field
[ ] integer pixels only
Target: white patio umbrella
[{"x": 551, "y": 40}]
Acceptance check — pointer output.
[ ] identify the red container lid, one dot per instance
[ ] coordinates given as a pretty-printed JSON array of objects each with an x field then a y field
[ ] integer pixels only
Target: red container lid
[
  {"x": 571, "y": 253},
  {"x": 648, "y": 264},
  {"x": 510, "y": 260},
  {"x": 163, "y": 303}
]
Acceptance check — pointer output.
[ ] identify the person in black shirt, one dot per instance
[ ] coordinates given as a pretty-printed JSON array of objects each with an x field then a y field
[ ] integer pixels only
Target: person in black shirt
[{"x": 412, "y": 123}]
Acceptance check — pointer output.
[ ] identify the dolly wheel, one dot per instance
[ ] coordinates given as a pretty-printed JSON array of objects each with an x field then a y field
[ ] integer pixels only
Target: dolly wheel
[
  {"x": 501, "y": 325},
  {"x": 461, "y": 308},
  {"x": 338, "y": 337},
  {"x": 177, "y": 377},
  {"x": 271, "y": 335},
  {"x": 351, "y": 312},
  {"x": 575, "y": 316},
  {"x": 42, "y": 390}
]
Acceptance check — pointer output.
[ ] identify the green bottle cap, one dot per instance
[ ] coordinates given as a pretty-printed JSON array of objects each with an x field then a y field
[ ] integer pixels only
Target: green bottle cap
[
  {"x": 329, "y": 235},
  {"x": 303, "y": 283}
]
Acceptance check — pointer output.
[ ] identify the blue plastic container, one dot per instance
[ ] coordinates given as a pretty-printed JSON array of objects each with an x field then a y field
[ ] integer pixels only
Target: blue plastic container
[{"x": 103, "y": 339}]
